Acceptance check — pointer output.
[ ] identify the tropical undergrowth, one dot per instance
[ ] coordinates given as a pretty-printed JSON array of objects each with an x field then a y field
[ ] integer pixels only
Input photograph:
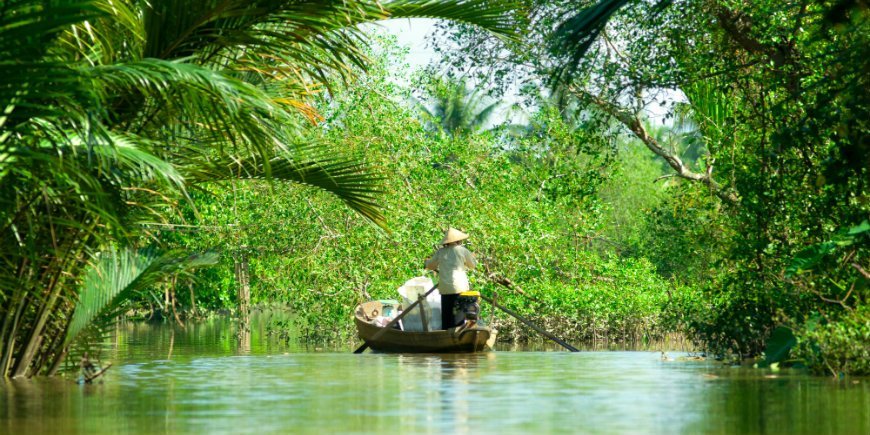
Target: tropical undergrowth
[
  {"x": 775, "y": 95},
  {"x": 531, "y": 205},
  {"x": 113, "y": 112}
]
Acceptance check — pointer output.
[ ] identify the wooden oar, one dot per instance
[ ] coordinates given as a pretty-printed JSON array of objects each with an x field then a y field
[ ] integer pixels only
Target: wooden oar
[
  {"x": 531, "y": 325},
  {"x": 383, "y": 330}
]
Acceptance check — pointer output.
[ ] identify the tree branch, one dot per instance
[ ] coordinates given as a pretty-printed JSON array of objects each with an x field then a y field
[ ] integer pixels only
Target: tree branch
[
  {"x": 738, "y": 26},
  {"x": 633, "y": 123},
  {"x": 861, "y": 270}
]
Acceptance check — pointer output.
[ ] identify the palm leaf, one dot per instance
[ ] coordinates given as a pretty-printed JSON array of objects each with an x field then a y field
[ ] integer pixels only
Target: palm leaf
[
  {"x": 501, "y": 18},
  {"x": 711, "y": 108},
  {"x": 483, "y": 115},
  {"x": 576, "y": 34},
  {"x": 318, "y": 37},
  {"x": 116, "y": 275},
  {"x": 44, "y": 90},
  {"x": 351, "y": 181},
  {"x": 27, "y": 27},
  {"x": 32, "y": 84},
  {"x": 209, "y": 107},
  {"x": 122, "y": 157},
  {"x": 87, "y": 175},
  {"x": 455, "y": 108}
]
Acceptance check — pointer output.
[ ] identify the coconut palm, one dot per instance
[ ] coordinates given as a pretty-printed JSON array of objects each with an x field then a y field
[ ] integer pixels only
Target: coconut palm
[
  {"x": 455, "y": 109},
  {"x": 111, "y": 110}
]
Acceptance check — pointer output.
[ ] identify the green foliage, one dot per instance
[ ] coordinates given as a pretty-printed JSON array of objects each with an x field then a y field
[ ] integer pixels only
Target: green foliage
[
  {"x": 113, "y": 111},
  {"x": 810, "y": 257},
  {"x": 452, "y": 108},
  {"x": 531, "y": 207},
  {"x": 629, "y": 195},
  {"x": 116, "y": 276},
  {"x": 835, "y": 338},
  {"x": 839, "y": 347},
  {"x": 776, "y": 94},
  {"x": 683, "y": 235}
]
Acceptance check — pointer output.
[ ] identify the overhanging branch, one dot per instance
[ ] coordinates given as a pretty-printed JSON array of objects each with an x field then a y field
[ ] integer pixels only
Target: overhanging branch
[{"x": 634, "y": 124}]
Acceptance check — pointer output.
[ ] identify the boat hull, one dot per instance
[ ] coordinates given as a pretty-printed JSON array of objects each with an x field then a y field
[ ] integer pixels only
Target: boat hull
[{"x": 471, "y": 339}]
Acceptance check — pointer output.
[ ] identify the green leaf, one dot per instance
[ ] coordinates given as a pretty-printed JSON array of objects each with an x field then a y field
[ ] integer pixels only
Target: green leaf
[
  {"x": 807, "y": 258},
  {"x": 117, "y": 275},
  {"x": 859, "y": 229},
  {"x": 778, "y": 345}
]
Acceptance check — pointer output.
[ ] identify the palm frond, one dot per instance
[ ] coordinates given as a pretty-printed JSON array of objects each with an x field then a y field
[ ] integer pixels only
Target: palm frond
[
  {"x": 130, "y": 154},
  {"x": 46, "y": 90},
  {"x": 116, "y": 34},
  {"x": 502, "y": 18},
  {"x": 320, "y": 38},
  {"x": 203, "y": 103},
  {"x": 32, "y": 84},
  {"x": 575, "y": 36},
  {"x": 27, "y": 27},
  {"x": 711, "y": 108},
  {"x": 116, "y": 275},
  {"x": 484, "y": 114},
  {"x": 351, "y": 181},
  {"x": 455, "y": 108}
]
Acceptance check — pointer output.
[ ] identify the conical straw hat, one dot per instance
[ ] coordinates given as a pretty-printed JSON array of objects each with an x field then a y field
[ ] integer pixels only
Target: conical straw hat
[{"x": 453, "y": 235}]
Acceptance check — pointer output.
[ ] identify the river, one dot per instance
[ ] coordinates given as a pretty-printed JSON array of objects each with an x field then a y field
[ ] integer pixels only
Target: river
[{"x": 204, "y": 379}]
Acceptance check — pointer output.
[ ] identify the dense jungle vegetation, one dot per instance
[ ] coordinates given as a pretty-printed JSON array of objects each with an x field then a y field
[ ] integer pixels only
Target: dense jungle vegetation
[{"x": 156, "y": 154}]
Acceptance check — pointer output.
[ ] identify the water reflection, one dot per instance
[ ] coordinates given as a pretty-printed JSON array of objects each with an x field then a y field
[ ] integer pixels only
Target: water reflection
[
  {"x": 244, "y": 333},
  {"x": 203, "y": 380},
  {"x": 441, "y": 386}
]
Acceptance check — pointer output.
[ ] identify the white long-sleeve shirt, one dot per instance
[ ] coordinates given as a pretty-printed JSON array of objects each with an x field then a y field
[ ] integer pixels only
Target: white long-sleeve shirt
[{"x": 452, "y": 262}]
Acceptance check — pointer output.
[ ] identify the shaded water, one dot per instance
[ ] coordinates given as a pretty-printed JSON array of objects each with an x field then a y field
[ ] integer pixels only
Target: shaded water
[{"x": 204, "y": 380}]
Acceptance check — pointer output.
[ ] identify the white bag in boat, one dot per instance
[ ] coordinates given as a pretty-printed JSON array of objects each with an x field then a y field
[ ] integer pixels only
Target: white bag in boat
[{"x": 409, "y": 291}]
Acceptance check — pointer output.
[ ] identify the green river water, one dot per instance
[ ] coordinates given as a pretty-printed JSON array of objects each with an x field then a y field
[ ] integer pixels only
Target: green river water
[{"x": 205, "y": 379}]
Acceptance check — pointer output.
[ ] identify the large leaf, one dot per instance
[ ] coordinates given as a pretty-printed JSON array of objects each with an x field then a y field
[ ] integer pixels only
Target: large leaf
[
  {"x": 577, "y": 32},
  {"x": 809, "y": 257},
  {"x": 778, "y": 345},
  {"x": 116, "y": 275}
]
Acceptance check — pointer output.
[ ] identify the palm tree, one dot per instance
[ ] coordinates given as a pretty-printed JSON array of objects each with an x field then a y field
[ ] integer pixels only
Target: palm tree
[
  {"x": 111, "y": 110},
  {"x": 456, "y": 109}
]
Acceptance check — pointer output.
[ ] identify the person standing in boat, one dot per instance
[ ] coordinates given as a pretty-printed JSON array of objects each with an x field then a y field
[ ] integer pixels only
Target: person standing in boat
[{"x": 451, "y": 261}]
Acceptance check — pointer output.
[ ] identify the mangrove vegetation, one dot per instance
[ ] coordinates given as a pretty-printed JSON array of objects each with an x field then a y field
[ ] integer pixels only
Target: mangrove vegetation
[{"x": 628, "y": 170}]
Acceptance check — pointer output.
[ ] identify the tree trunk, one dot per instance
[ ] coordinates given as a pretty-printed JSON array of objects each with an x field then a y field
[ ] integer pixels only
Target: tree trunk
[
  {"x": 35, "y": 336},
  {"x": 174, "y": 298},
  {"x": 55, "y": 273},
  {"x": 192, "y": 297},
  {"x": 6, "y": 362},
  {"x": 243, "y": 278}
]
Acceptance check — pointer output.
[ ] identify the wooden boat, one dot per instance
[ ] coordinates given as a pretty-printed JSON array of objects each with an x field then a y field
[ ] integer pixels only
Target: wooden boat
[{"x": 476, "y": 338}]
